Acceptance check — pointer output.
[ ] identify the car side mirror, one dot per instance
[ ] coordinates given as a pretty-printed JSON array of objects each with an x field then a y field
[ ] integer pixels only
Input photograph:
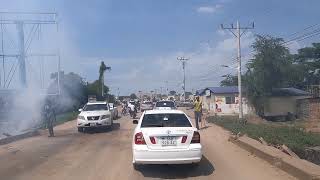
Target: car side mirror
[
  {"x": 135, "y": 121},
  {"x": 80, "y": 110}
]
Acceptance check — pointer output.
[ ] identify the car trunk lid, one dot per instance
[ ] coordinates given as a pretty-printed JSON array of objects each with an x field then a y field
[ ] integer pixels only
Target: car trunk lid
[{"x": 166, "y": 138}]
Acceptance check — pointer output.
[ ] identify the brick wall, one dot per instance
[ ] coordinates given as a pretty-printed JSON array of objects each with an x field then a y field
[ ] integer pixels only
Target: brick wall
[{"x": 314, "y": 106}]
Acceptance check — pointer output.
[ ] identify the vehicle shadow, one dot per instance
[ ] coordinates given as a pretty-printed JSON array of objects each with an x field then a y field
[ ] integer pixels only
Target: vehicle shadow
[
  {"x": 115, "y": 126},
  {"x": 205, "y": 168},
  {"x": 206, "y": 127}
]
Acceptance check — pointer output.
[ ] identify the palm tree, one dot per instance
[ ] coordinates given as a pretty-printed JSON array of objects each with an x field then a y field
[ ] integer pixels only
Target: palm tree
[{"x": 102, "y": 69}]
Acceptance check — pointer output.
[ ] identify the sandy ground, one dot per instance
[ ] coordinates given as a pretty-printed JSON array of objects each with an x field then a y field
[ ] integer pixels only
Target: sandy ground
[{"x": 107, "y": 155}]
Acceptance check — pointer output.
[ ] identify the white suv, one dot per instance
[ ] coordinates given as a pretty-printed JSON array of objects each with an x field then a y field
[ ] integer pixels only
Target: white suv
[{"x": 94, "y": 114}]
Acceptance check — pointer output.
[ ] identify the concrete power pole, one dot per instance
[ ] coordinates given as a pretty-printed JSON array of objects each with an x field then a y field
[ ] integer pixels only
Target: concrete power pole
[
  {"x": 183, "y": 61},
  {"x": 167, "y": 90},
  {"x": 238, "y": 35},
  {"x": 21, "y": 58}
]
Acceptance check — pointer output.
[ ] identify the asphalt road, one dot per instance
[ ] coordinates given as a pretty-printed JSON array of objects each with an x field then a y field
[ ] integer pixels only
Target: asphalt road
[{"x": 107, "y": 155}]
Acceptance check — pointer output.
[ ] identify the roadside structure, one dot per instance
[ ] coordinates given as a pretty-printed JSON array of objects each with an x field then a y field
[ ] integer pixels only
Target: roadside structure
[
  {"x": 225, "y": 101},
  {"x": 222, "y": 100}
]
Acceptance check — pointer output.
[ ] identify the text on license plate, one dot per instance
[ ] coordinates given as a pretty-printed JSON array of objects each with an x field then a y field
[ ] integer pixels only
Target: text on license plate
[{"x": 168, "y": 141}]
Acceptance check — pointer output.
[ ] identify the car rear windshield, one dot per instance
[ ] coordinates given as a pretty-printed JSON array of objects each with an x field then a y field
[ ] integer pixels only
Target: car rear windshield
[
  {"x": 165, "y": 104},
  {"x": 165, "y": 120},
  {"x": 95, "y": 107}
]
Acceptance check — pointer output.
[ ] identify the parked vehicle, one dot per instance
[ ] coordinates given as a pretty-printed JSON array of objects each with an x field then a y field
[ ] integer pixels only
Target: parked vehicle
[
  {"x": 165, "y": 137},
  {"x": 146, "y": 105},
  {"x": 114, "y": 110},
  {"x": 165, "y": 105},
  {"x": 94, "y": 114}
]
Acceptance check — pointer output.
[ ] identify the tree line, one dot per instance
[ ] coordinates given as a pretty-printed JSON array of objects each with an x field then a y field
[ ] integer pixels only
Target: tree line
[{"x": 74, "y": 90}]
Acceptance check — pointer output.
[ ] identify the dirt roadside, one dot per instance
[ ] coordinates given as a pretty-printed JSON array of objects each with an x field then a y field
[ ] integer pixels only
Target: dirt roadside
[{"x": 107, "y": 155}]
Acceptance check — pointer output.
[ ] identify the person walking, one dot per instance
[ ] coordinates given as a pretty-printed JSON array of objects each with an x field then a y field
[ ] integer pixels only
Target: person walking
[{"x": 197, "y": 111}]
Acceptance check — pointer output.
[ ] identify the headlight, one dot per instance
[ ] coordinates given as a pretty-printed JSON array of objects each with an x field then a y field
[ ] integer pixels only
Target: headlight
[
  {"x": 105, "y": 116},
  {"x": 81, "y": 117}
]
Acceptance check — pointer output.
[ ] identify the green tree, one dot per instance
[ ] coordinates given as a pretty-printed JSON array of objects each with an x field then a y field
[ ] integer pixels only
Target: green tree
[
  {"x": 230, "y": 80},
  {"x": 267, "y": 70},
  {"x": 307, "y": 62},
  {"x": 133, "y": 96},
  {"x": 94, "y": 88},
  {"x": 72, "y": 89},
  {"x": 172, "y": 93}
]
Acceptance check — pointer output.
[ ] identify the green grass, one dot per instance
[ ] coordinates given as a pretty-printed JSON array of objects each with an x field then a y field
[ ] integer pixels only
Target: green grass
[
  {"x": 295, "y": 138},
  {"x": 64, "y": 117}
]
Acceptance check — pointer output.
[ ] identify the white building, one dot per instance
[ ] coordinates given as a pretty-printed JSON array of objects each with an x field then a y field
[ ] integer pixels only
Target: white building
[{"x": 222, "y": 100}]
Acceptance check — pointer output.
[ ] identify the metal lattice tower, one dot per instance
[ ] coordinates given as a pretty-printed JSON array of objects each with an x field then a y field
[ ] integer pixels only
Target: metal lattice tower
[{"x": 21, "y": 20}]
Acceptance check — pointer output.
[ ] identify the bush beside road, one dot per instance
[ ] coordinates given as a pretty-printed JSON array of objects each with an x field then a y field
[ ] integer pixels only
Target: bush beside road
[
  {"x": 64, "y": 117},
  {"x": 296, "y": 139}
]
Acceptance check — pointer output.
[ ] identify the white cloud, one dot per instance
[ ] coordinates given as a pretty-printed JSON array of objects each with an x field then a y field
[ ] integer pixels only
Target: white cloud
[
  {"x": 209, "y": 9},
  {"x": 203, "y": 69}
]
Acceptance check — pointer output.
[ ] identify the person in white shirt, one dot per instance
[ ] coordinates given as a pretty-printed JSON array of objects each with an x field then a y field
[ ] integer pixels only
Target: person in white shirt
[{"x": 131, "y": 106}]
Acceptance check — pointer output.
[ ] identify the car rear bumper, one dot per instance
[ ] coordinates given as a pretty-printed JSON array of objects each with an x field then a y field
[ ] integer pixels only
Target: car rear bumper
[
  {"x": 187, "y": 156},
  {"x": 145, "y": 109},
  {"x": 99, "y": 123}
]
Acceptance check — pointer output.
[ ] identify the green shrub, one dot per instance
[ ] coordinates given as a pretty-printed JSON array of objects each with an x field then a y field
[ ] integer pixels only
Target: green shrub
[
  {"x": 68, "y": 116},
  {"x": 296, "y": 139}
]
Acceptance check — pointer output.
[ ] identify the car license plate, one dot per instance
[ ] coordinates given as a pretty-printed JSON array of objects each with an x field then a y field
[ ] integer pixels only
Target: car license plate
[
  {"x": 168, "y": 141},
  {"x": 92, "y": 124}
]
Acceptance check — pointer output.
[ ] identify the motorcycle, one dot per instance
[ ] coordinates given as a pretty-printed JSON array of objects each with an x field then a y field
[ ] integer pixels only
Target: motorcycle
[{"x": 133, "y": 113}]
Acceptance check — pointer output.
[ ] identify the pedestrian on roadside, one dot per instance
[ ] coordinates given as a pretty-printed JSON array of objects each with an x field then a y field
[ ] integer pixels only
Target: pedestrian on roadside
[
  {"x": 197, "y": 111},
  {"x": 49, "y": 118}
]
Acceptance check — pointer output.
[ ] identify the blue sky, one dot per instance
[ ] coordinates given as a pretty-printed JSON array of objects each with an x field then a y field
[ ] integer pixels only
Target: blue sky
[{"x": 141, "y": 39}]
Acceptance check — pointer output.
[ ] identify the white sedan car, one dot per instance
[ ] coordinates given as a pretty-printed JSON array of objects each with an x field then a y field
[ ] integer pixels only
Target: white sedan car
[
  {"x": 94, "y": 114},
  {"x": 165, "y": 137},
  {"x": 165, "y": 105}
]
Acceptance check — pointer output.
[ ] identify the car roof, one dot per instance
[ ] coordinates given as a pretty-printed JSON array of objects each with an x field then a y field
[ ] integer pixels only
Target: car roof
[
  {"x": 97, "y": 102},
  {"x": 146, "y": 102},
  {"x": 165, "y": 101},
  {"x": 169, "y": 111}
]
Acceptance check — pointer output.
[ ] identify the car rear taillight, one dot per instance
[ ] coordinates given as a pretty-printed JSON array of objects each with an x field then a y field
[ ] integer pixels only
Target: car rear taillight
[
  {"x": 153, "y": 140},
  {"x": 184, "y": 139},
  {"x": 195, "y": 137},
  {"x": 138, "y": 138}
]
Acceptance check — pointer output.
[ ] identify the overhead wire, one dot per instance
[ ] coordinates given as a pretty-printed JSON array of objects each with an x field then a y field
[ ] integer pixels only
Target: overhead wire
[{"x": 295, "y": 38}]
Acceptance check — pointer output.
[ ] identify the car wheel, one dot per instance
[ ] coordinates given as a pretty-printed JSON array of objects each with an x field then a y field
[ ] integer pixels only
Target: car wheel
[
  {"x": 80, "y": 129},
  {"x": 136, "y": 166}
]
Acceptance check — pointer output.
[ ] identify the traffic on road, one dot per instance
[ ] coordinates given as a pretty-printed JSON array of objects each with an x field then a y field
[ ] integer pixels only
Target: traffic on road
[
  {"x": 159, "y": 143},
  {"x": 134, "y": 90}
]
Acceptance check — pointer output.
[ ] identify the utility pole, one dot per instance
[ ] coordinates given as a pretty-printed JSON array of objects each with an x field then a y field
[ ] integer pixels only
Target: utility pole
[
  {"x": 238, "y": 35},
  {"x": 183, "y": 61},
  {"x": 102, "y": 85},
  {"x": 22, "y": 62},
  {"x": 167, "y": 90}
]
